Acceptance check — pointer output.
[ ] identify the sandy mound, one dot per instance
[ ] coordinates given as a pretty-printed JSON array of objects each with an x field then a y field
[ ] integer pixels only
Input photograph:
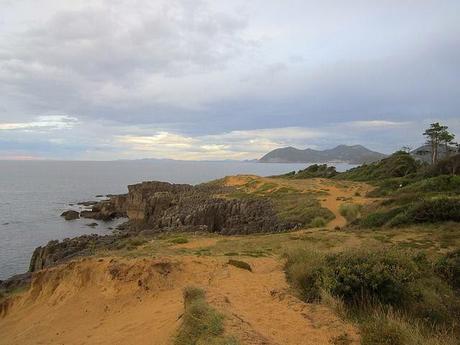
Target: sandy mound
[{"x": 115, "y": 301}]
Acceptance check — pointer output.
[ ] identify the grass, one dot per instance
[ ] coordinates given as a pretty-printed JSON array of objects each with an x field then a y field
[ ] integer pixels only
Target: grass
[
  {"x": 201, "y": 323},
  {"x": 350, "y": 211},
  {"x": 179, "y": 240},
  {"x": 318, "y": 222},
  {"x": 291, "y": 204}
]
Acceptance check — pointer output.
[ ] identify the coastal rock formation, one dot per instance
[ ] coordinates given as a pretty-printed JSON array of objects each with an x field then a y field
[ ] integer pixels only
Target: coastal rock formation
[
  {"x": 70, "y": 215},
  {"x": 56, "y": 252},
  {"x": 164, "y": 206}
]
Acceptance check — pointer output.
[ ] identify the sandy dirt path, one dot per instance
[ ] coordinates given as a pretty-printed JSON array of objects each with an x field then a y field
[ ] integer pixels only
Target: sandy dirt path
[{"x": 333, "y": 192}]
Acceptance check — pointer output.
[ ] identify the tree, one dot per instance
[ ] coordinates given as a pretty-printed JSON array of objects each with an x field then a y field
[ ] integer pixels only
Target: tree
[
  {"x": 447, "y": 139},
  {"x": 406, "y": 149},
  {"x": 434, "y": 135}
]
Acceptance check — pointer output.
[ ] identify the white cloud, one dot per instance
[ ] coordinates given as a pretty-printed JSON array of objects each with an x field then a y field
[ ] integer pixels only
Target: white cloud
[
  {"x": 230, "y": 145},
  {"x": 377, "y": 124},
  {"x": 50, "y": 122}
]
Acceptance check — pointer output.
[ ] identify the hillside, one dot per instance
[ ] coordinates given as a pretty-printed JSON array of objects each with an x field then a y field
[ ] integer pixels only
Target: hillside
[
  {"x": 180, "y": 286},
  {"x": 355, "y": 154}
]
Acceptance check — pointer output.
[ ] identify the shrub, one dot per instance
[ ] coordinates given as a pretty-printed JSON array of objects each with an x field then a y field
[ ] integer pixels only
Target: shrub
[
  {"x": 378, "y": 219},
  {"x": 448, "y": 267},
  {"x": 358, "y": 277},
  {"x": 429, "y": 211},
  {"x": 350, "y": 211},
  {"x": 318, "y": 222},
  {"x": 365, "y": 279},
  {"x": 444, "y": 183},
  {"x": 355, "y": 277},
  {"x": 399, "y": 164},
  {"x": 305, "y": 269}
]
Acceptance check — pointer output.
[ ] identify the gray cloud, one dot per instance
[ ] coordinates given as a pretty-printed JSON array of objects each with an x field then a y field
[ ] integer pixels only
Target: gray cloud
[{"x": 210, "y": 69}]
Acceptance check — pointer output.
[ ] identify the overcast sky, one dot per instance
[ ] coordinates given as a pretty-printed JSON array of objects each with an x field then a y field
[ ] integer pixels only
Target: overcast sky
[{"x": 110, "y": 79}]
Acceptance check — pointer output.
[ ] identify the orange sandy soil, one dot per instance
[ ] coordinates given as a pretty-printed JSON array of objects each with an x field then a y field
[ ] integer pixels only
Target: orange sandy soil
[{"x": 139, "y": 301}]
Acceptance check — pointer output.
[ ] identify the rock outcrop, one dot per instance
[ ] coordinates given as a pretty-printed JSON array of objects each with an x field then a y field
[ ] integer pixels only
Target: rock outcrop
[
  {"x": 56, "y": 252},
  {"x": 164, "y": 206},
  {"x": 70, "y": 215}
]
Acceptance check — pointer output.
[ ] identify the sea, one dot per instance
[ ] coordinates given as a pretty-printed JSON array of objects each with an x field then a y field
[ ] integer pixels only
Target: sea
[{"x": 33, "y": 194}]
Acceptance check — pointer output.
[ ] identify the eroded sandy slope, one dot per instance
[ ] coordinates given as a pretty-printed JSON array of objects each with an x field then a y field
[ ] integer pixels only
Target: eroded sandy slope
[{"x": 139, "y": 301}]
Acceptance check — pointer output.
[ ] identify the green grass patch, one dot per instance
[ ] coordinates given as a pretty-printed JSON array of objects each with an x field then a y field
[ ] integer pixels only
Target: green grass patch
[
  {"x": 350, "y": 211},
  {"x": 179, "y": 240},
  {"x": 318, "y": 222},
  {"x": 201, "y": 324}
]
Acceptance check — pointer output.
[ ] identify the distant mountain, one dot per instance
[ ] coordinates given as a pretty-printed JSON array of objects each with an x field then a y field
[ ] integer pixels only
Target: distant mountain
[{"x": 355, "y": 154}]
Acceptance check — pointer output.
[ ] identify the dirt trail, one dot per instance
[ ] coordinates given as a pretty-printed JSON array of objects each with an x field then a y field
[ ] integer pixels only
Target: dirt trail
[
  {"x": 337, "y": 192},
  {"x": 140, "y": 302}
]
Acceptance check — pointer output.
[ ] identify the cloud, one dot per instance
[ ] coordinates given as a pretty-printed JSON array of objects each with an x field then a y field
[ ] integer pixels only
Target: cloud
[
  {"x": 42, "y": 123},
  {"x": 377, "y": 124},
  {"x": 247, "y": 144},
  {"x": 198, "y": 79}
]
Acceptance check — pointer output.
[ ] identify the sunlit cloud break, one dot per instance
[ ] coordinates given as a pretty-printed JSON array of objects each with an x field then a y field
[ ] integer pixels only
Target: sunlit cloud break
[{"x": 49, "y": 122}]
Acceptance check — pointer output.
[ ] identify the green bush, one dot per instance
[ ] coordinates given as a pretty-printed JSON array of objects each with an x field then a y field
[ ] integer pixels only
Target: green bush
[
  {"x": 443, "y": 183},
  {"x": 358, "y": 277},
  {"x": 363, "y": 279},
  {"x": 379, "y": 219},
  {"x": 355, "y": 277},
  {"x": 318, "y": 222},
  {"x": 399, "y": 164},
  {"x": 429, "y": 211},
  {"x": 305, "y": 269},
  {"x": 448, "y": 267}
]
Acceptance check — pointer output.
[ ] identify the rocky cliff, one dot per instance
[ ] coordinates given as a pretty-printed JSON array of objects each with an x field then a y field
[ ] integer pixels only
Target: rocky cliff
[
  {"x": 160, "y": 206},
  {"x": 163, "y": 206}
]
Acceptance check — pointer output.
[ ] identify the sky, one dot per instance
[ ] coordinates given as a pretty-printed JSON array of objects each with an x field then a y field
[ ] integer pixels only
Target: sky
[{"x": 214, "y": 80}]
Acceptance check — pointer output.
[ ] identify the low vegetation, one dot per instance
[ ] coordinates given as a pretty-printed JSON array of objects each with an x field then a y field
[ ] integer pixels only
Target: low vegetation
[
  {"x": 350, "y": 211},
  {"x": 318, "y": 222},
  {"x": 292, "y": 205},
  {"x": 201, "y": 324},
  {"x": 312, "y": 171},
  {"x": 397, "y": 297},
  {"x": 399, "y": 164}
]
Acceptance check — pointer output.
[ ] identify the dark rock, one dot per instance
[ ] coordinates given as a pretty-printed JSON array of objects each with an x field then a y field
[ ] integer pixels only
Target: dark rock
[
  {"x": 70, "y": 215},
  {"x": 92, "y": 225},
  {"x": 15, "y": 282},
  {"x": 99, "y": 196},
  {"x": 162, "y": 206},
  {"x": 87, "y": 203},
  {"x": 56, "y": 252}
]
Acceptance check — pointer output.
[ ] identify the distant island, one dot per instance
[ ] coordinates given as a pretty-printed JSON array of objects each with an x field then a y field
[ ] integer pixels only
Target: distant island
[{"x": 354, "y": 154}]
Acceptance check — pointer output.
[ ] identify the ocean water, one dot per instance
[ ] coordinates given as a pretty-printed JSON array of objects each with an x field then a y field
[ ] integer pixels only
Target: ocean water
[{"x": 34, "y": 193}]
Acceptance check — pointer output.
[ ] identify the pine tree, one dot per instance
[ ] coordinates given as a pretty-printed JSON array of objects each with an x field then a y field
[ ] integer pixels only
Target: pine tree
[{"x": 434, "y": 136}]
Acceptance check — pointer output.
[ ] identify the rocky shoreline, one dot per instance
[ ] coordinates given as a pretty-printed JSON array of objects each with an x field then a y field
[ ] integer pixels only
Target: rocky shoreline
[{"x": 154, "y": 207}]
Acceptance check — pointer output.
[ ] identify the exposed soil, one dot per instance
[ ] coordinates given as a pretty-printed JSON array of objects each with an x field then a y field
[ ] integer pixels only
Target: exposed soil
[{"x": 140, "y": 302}]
